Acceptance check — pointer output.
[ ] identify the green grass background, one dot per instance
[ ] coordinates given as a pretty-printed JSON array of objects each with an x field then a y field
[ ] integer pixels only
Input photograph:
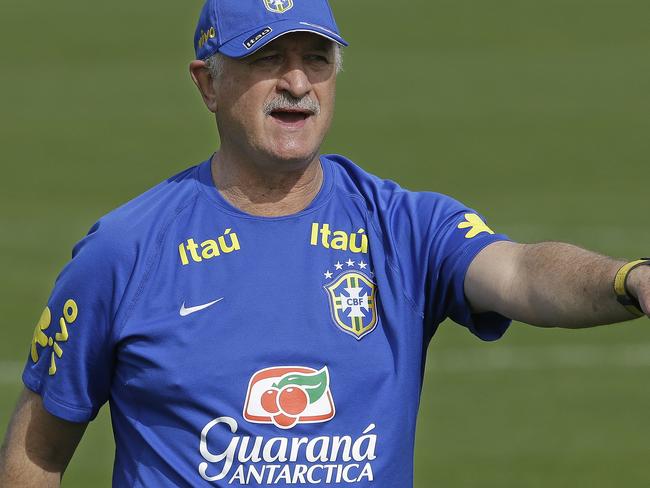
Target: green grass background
[{"x": 535, "y": 112}]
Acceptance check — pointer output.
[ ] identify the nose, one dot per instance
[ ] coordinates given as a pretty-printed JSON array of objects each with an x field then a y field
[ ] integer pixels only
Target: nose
[{"x": 294, "y": 79}]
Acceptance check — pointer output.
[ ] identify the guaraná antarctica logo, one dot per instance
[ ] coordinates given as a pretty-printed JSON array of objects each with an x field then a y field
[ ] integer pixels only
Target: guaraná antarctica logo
[
  {"x": 352, "y": 297},
  {"x": 288, "y": 395},
  {"x": 285, "y": 396}
]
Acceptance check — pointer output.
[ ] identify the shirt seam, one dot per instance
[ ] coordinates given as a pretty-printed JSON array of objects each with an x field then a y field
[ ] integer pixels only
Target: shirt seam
[
  {"x": 35, "y": 384},
  {"x": 394, "y": 266},
  {"x": 153, "y": 260}
]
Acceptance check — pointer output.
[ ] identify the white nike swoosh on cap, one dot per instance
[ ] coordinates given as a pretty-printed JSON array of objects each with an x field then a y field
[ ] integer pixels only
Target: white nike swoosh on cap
[{"x": 190, "y": 310}]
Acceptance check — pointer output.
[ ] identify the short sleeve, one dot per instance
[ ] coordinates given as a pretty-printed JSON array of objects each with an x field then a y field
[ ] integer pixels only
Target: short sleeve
[
  {"x": 434, "y": 239},
  {"x": 70, "y": 361},
  {"x": 459, "y": 234}
]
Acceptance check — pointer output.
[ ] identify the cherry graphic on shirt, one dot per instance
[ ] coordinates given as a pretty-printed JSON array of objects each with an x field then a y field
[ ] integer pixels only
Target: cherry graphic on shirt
[
  {"x": 288, "y": 400},
  {"x": 284, "y": 421},
  {"x": 270, "y": 401},
  {"x": 293, "y": 400}
]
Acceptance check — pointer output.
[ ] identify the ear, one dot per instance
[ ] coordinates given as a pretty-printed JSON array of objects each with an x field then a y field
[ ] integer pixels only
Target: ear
[{"x": 204, "y": 82}]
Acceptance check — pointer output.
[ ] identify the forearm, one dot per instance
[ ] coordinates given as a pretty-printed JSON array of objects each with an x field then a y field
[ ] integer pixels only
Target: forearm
[
  {"x": 37, "y": 446},
  {"x": 17, "y": 469},
  {"x": 566, "y": 286},
  {"x": 551, "y": 285}
]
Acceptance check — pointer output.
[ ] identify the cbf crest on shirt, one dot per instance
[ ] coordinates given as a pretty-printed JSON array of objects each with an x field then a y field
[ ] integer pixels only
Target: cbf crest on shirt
[{"x": 352, "y": 300}]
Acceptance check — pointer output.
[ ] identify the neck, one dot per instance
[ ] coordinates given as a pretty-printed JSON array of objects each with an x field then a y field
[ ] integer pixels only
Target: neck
[{"x": 264, "y": 191}]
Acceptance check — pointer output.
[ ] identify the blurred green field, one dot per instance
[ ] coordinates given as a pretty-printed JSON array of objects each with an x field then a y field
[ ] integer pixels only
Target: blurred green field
[{"x": 537, "y": 113}]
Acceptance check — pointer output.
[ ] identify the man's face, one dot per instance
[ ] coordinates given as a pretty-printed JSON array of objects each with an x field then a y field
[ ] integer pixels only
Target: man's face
[{"x": 277, "y": 104}]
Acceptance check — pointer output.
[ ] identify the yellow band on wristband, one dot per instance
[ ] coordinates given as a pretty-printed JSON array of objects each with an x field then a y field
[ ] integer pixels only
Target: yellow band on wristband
[{"x": 620, "y": 287}]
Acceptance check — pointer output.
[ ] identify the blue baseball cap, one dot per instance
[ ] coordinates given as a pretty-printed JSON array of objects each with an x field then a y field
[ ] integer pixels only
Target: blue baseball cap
[{"x": 237, "y": 28}]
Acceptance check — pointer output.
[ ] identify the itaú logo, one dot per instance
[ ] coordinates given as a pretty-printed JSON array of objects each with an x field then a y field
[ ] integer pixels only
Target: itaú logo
[{"x": 289, "y": 395}]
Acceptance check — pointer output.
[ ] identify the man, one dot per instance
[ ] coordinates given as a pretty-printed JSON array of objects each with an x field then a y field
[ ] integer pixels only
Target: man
[{"x": 240, "y": 316}]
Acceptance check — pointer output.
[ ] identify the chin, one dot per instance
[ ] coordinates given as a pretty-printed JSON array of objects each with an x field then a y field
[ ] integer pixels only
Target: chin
[
  {"x": 292, "y": 162},
  {"x": 294, "y": 154}
]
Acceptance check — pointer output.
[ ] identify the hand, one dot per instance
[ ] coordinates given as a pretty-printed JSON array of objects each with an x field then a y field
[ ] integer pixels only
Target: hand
[{"x": 638, "y": 284}]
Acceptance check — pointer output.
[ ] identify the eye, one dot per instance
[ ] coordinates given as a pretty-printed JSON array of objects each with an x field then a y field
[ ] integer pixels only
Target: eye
[
  {"x": 269, "y": 58},
  {"x": 318, "y": 58}
]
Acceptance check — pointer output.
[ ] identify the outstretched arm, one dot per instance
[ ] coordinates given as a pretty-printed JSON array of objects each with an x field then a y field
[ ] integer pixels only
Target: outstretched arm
[
  {"x": 38, "y": 446},
  {"x": 552, "y": 285}
]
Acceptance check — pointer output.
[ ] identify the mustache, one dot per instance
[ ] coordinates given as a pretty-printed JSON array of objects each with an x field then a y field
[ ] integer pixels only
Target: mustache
[{"x": 286, "y": 102}]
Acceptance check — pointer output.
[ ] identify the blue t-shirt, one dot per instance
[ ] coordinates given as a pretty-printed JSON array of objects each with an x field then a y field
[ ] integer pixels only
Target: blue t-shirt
[{"x": 261, "y": 351}]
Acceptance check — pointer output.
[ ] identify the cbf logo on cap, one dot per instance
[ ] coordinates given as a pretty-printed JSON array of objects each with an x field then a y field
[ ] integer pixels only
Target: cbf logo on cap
[
  {"x": 278, "y": 6},
  {"x": 237, "y": 28}
]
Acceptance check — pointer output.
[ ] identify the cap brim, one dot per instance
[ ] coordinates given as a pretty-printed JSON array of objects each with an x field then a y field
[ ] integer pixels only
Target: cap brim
[{"x": 253, "y": 40}]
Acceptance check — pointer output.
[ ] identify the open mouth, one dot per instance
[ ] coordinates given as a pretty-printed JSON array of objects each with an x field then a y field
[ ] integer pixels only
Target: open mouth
[{"x": 290, "y": 116}]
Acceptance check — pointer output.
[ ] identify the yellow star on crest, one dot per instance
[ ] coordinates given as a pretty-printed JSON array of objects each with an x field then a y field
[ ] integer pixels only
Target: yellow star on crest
[{"x": 475, "y": 225}]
